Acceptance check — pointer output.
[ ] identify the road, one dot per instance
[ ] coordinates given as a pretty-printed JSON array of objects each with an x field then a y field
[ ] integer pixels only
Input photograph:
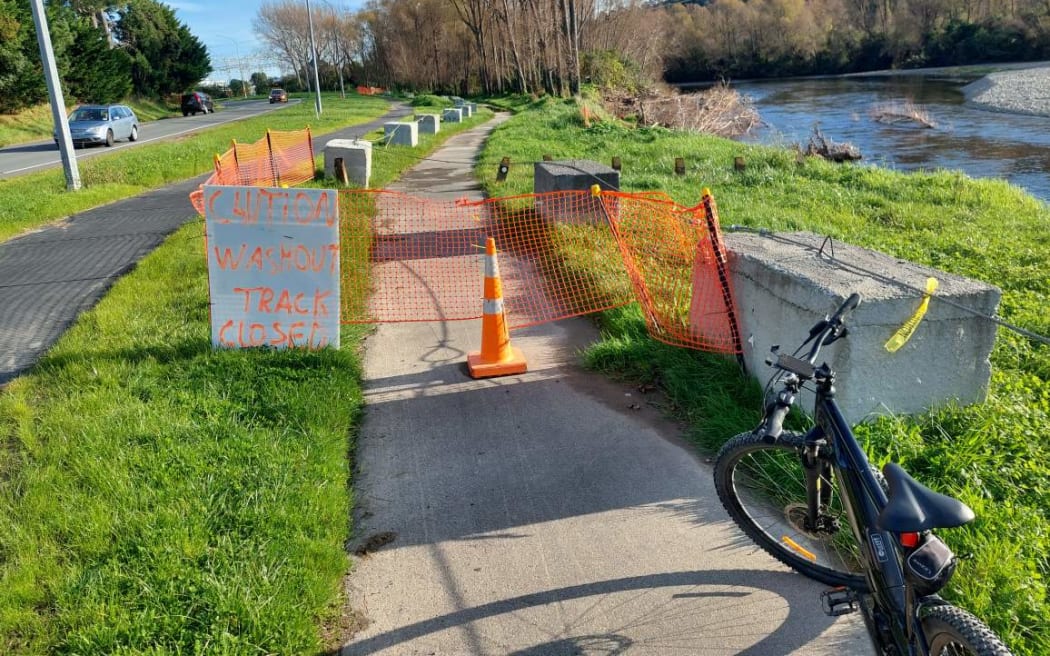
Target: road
[{"x": 30, "y": 157}]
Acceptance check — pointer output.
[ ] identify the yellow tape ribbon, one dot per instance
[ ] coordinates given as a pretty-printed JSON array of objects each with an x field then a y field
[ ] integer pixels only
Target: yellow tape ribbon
[{"x": 901, "y": 337}]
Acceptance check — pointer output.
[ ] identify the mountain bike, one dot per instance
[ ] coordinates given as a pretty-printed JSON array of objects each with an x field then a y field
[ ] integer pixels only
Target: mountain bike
[{"x": 815, "y": 503}]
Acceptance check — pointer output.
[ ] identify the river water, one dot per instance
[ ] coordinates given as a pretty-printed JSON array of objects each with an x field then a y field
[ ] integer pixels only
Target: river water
[{"x": 983, "y": 144}]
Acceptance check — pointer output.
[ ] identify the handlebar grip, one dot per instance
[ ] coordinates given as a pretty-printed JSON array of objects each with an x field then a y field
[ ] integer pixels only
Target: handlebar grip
[{"x": 848, "y": 306}]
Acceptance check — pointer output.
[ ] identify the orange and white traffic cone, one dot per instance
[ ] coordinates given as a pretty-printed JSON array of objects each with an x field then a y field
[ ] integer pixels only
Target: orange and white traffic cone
[{"x": 497, "y": 356}]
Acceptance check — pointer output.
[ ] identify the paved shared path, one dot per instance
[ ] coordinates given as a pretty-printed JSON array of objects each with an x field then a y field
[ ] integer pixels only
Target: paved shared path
[{"x": 542, "y": 514}]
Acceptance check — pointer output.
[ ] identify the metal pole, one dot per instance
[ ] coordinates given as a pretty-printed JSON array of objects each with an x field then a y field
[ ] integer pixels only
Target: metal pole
[
  {"x": 54, "y": 90},
  {"x": 313, "y": 54}
]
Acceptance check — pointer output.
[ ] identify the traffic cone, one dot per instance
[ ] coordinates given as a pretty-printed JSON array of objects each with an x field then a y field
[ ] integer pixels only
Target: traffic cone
[{"x": 497, "y": 356}]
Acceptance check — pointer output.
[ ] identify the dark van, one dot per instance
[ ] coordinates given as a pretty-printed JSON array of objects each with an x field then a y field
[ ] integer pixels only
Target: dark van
[{"x": 196, "y": 101}]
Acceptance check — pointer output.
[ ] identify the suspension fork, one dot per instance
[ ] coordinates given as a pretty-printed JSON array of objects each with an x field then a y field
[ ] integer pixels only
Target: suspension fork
[{"x": 818, "y": 483}]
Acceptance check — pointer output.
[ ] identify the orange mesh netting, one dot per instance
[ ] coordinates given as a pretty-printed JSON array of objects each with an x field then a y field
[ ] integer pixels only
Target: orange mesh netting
[
  {"x": 279, "y": 158},
  {"x": 561, "y": 254}
]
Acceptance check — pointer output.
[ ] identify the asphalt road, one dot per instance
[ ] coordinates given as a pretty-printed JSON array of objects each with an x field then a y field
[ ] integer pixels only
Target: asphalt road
[{"x": 30, "y": 157}]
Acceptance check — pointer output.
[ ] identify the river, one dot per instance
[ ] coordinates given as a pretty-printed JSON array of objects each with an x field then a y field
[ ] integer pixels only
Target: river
[{"x": 981, "y": 143}]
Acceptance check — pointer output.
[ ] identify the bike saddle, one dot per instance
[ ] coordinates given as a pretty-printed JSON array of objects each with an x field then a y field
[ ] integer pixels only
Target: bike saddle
[{"x": 913, "y": 507}]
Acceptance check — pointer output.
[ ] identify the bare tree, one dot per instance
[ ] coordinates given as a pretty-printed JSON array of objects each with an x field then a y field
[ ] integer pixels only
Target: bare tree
[{"x": 283, "y": 25}]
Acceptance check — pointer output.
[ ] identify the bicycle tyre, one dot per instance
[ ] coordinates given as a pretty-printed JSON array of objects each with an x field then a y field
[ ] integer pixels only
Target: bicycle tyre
[
  {"x": 951, "y": 631},
  {"x": 779, "y": 505}
]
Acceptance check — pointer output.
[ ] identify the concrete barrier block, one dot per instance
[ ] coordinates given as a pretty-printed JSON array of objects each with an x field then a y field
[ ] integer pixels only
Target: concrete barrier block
[
  {"x": 467, "y": 111},
  {"x": 429, "y": 123},
  {"x": 458, "y": 102},
  {"x": 401, "y": 134},
  {"x": 356, "y": 156},
  {"x": 473, "y": 108},
  {"x": 784, "y": 283},
  {"x": 573, "y": 175},
  {"x": 452, "y": 115}
]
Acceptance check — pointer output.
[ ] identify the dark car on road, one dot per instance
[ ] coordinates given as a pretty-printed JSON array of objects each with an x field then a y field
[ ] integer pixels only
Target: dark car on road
[
  {"x": 278, "y": 95},
  {"x": 102, "y": 124},
  {"x": 196, "y": 101}
]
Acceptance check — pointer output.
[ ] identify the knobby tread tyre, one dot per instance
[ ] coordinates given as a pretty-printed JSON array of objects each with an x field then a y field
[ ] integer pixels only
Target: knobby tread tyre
[
  {"x": 728, "y": 458},
  {"x": 951, "y": 631}
]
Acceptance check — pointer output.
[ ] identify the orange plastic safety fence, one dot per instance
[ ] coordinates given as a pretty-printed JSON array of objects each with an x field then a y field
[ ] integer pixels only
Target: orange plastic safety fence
[
  {"x": 292, "y": 154},
  {"x": 279, "y": 158},
  {"x": 370, "y": 91},
  {"x": 560, "y": 255}
]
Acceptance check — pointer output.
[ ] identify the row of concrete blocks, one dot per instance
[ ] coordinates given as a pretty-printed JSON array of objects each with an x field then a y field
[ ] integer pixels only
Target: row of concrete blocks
[{"x": 354, "y": 157}]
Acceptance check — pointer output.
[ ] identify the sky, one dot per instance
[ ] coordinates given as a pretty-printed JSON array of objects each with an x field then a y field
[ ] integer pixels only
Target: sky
[{"x": 225, "y": 28}]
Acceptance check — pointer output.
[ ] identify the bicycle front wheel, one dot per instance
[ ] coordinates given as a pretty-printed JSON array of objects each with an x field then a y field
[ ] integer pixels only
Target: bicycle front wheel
[
  {"x": 951, "y": 631},
  {"x": 763, "y": 487}
]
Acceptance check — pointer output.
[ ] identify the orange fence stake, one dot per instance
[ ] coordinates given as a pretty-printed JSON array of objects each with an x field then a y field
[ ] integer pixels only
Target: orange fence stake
[{"x": 497, "y": 356}]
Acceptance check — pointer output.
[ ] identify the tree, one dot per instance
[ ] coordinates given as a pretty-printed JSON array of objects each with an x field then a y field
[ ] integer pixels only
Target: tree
[
  {"x": 261, "y": 81},
  {"x": 165, "y": 57},
  {"x": 97, "y": 73}
]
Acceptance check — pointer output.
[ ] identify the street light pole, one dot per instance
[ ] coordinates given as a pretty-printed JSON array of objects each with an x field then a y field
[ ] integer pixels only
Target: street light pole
[
  {"x": 313, "y": 54},
  {"x": 54, "y": 90}
]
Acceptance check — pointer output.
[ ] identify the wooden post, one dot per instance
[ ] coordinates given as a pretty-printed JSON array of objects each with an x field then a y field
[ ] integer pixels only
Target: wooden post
[
  {"x": 548, "y": 158},
  {"x": 340, "y": 172},
  {"x": 504, "y": 168},
  {"x": 616, "y": 164},
  {"x": 679, "y": 165},
  {"x": 738, "y": 163}
]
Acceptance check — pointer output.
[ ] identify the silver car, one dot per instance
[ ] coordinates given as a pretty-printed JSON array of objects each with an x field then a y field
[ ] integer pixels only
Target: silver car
[{"x": 102, "y": 124}]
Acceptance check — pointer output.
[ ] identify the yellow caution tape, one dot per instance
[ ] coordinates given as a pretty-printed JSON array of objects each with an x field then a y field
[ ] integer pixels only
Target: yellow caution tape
[{"x": 901, "y": 337}]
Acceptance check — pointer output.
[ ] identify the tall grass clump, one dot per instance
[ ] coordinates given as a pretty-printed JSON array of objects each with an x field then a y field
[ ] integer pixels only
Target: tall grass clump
[{"x": 995, "y": 455}]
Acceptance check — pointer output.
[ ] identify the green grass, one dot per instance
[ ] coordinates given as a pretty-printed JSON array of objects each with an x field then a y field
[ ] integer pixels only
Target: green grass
[
  {"x": 159, "y": 497},
  {"x": 35, "y": 199},
  {"x": 994, "y": 456}
]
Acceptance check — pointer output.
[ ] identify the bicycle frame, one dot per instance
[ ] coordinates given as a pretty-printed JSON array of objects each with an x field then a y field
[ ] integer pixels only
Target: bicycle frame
[{"x": 893, "y": 619}]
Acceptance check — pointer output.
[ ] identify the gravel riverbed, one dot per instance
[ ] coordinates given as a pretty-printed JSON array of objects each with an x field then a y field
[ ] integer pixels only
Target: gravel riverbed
[{"x": 1021, "y": 91}]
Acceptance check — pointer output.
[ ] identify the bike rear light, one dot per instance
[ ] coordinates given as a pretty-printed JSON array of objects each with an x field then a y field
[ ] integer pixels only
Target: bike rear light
[
  {"x": 799, "y": 549},
  {"x": 909, "y": 540}
]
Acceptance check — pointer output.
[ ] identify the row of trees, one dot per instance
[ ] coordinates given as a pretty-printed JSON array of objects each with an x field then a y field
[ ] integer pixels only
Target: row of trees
[
  {"x": 105, "y": 51},
  {"x": 494, "y": 46}
]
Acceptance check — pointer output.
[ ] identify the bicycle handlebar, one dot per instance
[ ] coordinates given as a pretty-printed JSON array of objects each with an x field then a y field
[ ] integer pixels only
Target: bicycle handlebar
[
  {"x": 830, "y": 329},
  {"x": 825, "y": 331}
]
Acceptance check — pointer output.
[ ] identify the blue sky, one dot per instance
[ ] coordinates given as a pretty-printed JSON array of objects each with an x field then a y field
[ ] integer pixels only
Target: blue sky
[{"x": 224, "y": 26}]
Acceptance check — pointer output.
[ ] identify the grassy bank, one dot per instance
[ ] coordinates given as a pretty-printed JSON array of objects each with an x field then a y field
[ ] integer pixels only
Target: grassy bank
[
  {"x": 994, "y": 456},
  {"x": 38, "y": 198},
  {"x": 159, "y": 497}
]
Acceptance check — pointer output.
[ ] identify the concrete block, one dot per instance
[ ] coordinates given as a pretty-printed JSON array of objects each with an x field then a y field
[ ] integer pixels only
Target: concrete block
[
  {"x": 573, "y": 175},
  {"x": 452, "y": 115},
  {"x": 473, "y": 108},
  {"x": 783, "y": 284},
  {"x": 467, "y": 111},
  {"x": 356, "y": 156},
  {"x": 429, "y": 123},
  {"x": 401, "y": 134},
  {"x": 458, "y": 102}
]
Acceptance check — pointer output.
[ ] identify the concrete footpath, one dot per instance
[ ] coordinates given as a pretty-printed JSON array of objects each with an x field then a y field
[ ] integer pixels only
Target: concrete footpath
[
  {"x": 542, "y": 514},
  {"x": 50, "y": 275}
]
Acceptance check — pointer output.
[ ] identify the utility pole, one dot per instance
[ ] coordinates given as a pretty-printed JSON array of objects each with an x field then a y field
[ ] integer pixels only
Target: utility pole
[
  {"x": 313, "y": 54},
  {"x": 54, "y": 90}
]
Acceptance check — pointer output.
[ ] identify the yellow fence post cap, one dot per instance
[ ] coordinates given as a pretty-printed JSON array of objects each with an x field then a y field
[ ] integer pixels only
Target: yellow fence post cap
[{"x": 596, "y": 190}]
